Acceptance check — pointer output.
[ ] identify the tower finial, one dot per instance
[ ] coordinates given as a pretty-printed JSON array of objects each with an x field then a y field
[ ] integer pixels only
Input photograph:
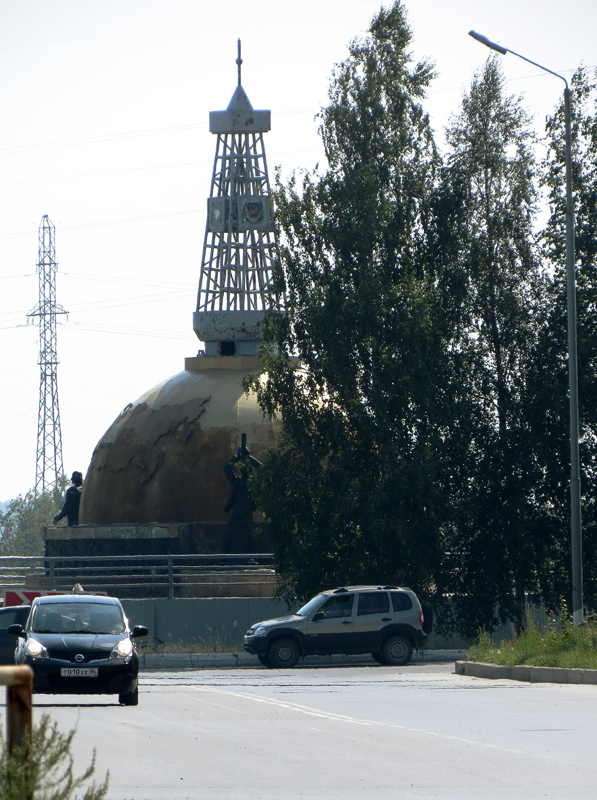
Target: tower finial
[{"x": 239, "y": 61}]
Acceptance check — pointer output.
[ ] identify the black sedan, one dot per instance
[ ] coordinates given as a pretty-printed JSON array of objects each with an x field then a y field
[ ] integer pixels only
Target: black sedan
[
  {"x": 80, "y": 644},
  {"x": 9, "y": 616}
]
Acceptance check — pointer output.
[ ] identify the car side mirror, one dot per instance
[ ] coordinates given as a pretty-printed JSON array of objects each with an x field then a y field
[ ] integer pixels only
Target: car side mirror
[
  {"x": 16, "y": 629},
  {"x": 318, "y": 615},
  {"x": 138, "y": 631}
]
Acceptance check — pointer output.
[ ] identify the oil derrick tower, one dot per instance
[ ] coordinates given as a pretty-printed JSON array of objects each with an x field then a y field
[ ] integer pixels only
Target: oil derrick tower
[
  {"x": 240, "y": 243},
  {"x": 49, "y": 437}
]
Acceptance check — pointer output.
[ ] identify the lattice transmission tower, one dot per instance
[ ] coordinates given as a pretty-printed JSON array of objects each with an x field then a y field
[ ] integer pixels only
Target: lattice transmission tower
[
  {"x": 49, "y": 437},
  {"x": 240, "y": 241}
]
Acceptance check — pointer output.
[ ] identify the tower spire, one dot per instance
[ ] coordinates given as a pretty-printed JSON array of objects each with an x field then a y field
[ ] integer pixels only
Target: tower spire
[
  {"x": 240, "y": 241},
  {"x": 239, "y": 62},
  {"x": 49, "y": 436}
]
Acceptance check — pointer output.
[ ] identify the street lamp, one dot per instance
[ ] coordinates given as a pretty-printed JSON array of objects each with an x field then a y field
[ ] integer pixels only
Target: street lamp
[{"x": 575, "y": 518}]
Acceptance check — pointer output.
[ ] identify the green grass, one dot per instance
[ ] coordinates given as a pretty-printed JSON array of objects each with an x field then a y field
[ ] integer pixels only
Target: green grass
[
  {"x": 225, "y": 642},
  {"x": 200, "y": 646},
  {"x": 570, "y": 647}
]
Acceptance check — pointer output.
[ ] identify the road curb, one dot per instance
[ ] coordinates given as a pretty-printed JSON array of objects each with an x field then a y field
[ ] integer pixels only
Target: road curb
[
  {"x": 524, "y": 672},
  {"x": 176, "y": 661}
]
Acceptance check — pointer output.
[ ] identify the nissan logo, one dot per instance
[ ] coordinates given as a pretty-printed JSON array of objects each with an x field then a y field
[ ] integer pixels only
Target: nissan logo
[{"x": 79, "y": 657}]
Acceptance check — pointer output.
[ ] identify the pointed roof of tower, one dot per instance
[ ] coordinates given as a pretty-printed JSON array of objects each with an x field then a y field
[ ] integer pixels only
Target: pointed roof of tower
[
  {"x": 240, "y": 117},
  {"x": 240, "y": 101}
]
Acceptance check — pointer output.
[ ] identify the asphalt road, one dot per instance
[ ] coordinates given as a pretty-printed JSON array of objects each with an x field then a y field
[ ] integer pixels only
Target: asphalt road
[{"x": 339, "y": 732}]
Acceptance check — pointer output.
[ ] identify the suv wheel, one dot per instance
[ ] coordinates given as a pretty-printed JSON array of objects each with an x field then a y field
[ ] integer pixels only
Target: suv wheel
[
  {"x": 379, "y": 658},
  {"x": 265, "y": 661},
  {"x": 283, "y": 653},
  {"x": 397, "y": 651}
]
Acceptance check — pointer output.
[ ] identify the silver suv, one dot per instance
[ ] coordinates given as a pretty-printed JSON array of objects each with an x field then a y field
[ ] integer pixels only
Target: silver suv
[{"x": 386, "y": 621}]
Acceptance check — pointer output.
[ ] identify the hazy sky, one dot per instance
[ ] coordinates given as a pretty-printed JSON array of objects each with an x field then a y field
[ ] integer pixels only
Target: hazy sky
[{"x": 104, "y": 127}]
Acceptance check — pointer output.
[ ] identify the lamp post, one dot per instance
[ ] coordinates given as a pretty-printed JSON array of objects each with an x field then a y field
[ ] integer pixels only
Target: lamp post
[{"x": 575, "y": 516}]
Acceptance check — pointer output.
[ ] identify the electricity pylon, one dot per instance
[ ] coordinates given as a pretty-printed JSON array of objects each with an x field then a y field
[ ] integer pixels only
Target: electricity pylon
[{"x": 49, "y": 437}]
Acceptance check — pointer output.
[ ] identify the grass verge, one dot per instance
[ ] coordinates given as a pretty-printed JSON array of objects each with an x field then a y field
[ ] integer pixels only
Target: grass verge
[
  {"x": 190, "y": 647},
  {"x": 225, "y": 642},
  {"x": 572, "y": 647}
]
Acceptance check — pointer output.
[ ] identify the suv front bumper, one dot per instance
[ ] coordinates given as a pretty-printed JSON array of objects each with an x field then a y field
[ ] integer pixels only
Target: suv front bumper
[{"x": 256, "y": 645}]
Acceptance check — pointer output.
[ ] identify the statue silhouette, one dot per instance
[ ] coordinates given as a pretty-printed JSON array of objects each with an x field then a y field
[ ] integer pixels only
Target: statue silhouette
[{"x": 240, "y": 505}]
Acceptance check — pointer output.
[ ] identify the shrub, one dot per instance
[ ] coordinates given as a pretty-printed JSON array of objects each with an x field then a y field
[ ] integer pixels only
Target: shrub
[{"x": 46, "y": 773}]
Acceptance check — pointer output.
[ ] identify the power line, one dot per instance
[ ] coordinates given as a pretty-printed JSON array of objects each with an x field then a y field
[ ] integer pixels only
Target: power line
[
  {"x": 111, "y": 137},
  {"x": 157, "y": 297},
  {"x": 77, "y": 175},
  {"x": 114, "y": 302},
  {"x": 110, "y": 279},
  {"x": 108, "y": 222},
  {"x": 22, "y": 148},
  {"x": 145, "y": 333},
  {"x": 127, "y": 280}
]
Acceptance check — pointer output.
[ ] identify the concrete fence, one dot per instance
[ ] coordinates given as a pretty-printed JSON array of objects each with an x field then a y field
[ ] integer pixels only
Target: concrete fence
[{"x": 220, "y": 620}]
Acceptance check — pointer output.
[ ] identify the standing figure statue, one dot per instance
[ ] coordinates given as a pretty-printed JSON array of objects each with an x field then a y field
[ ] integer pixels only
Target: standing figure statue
[
  {"x": 72, "y": 499},
  {"x": 239, "y": 503}
]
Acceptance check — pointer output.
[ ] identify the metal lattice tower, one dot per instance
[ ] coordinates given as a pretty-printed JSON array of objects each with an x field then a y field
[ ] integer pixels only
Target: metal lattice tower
[
  {"x": 49, "y": 437},
  {"x": 240, "y": 241}
]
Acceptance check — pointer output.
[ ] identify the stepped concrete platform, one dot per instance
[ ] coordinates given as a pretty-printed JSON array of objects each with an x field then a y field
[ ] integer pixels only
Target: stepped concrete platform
[{"x": 228, "y": 582}]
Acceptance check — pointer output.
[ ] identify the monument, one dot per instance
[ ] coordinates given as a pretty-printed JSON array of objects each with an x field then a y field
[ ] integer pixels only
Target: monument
[{"x": 155, "y": 483}]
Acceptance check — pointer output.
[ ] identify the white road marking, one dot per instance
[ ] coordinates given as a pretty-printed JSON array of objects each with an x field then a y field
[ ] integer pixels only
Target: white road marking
[{"x": 302, "y": 709}]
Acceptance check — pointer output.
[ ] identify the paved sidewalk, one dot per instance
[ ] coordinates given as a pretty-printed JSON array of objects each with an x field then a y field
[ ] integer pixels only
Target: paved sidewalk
[{"x": 176, "y": 661}]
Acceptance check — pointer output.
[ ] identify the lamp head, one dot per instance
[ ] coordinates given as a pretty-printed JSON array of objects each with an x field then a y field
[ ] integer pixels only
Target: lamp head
[{"x": 484, "y": 40}]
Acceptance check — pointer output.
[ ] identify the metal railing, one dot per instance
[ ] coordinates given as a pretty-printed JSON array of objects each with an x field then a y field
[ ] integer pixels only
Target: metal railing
[{"x": 152, "y": 576}]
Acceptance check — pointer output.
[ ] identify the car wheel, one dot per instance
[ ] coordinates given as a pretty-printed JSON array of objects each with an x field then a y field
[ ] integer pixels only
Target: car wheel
[
  {"x": 397, "y": 651},
  {"x": 283, "y": 653},
  {"x": 265, "y": 661},
  {"x": 379, "y": 658},
  {"x": 129, "y": 698}
]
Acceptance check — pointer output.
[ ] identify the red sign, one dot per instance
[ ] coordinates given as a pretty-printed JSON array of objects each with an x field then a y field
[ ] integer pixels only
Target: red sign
[{"x": 23, "y": 597}]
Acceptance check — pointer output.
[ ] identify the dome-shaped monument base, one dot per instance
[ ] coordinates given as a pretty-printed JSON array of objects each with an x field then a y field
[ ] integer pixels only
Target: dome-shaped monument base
[{"x": 162, "y": 460}]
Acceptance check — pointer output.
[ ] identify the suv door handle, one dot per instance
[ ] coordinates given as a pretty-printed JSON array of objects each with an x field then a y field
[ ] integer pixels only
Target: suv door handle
[
  {"x": 386, "y": 619},
  {"x": 347, "y": 622}
]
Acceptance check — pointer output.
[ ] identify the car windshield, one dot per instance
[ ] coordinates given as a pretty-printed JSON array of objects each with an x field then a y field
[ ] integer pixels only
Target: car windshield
[
  {"x": 78, "y": 618},
  {"x": 313, "y": 604}
]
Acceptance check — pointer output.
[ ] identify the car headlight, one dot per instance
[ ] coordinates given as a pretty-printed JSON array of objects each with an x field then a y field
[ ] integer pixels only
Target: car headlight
[
  {"x": 123, "y": 650},
  {"x": 35, "y": 649},
  {"x": 260, "y": 630}
]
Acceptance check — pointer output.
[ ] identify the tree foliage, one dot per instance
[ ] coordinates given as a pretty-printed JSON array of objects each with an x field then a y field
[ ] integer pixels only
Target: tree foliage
[
  {"x": 419, "y": 367},
  {"x": 351, "y": 491},
  {"x": 500, "y": 538},
  {"x": 22, "y": 523}
]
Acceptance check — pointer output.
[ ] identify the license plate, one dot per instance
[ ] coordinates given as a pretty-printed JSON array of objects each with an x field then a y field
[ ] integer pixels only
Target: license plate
[{"x": 78, "y": 672}]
